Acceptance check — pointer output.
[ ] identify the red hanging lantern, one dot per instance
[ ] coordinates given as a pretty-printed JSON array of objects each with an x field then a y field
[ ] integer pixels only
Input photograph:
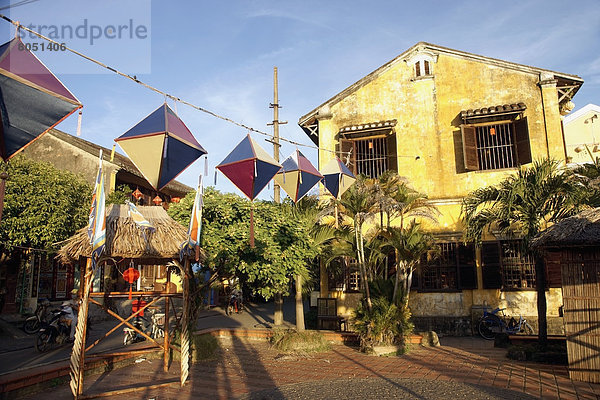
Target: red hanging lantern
[
  {"x": 175, "y": 199},
  {"x": 157, "y": 200},
  {"x": 131, "y": 275},
  {"x": 137, "y": 194}
]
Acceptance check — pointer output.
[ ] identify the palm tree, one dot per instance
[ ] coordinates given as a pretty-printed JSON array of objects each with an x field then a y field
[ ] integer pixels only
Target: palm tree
[
  {"x": 522, "y": 205},
  {"x": 410, "y": 244},
  {"x": 307, "y": 212},
  {"x": 357, "y": 205}
]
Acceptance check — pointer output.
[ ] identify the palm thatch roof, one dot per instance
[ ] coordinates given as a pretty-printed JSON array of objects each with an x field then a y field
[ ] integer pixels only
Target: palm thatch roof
[
  {"x": 124, "y": 239},
  {"x": 582, "y": 229}
]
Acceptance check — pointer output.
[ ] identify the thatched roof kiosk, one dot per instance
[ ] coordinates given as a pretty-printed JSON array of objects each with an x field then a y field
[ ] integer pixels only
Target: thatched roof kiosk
[
  {"x": 124, "y": 239},
  {"x": 580, "y": 230},
  {"x": 572, "y": 246}
]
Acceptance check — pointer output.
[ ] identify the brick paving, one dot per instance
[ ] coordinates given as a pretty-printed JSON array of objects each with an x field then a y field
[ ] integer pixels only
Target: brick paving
[{"x": 245, "y": 367}]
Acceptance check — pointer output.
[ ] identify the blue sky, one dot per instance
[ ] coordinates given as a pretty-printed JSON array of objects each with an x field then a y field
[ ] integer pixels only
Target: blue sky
[{"x": 220, "y": 55}]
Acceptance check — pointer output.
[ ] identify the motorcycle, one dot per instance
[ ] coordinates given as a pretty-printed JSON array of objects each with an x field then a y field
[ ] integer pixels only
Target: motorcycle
[
  {"x": 235, "y": 304},
  {"x": 33, "y": 323},
  {"x": 55, "y": 332},
  {"x": 154, "y": 328}
]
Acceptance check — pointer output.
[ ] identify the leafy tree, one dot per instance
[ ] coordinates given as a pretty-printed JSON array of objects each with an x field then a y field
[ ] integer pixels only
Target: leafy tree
[
  {"x": 282, "y": 245},
  {"x": 521, "y": 206},
  {"x": 43, "y": 205}
]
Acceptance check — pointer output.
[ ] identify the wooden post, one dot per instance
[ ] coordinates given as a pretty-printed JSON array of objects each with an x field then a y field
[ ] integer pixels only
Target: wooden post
[
  {"x": 166, "y": 326},
  {"x": 185, "y": 333},
  {"x": 78, "y": 352}
]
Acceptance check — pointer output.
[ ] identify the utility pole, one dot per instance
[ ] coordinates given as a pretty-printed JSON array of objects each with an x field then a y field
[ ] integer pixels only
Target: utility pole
[
  {"x": 278, "y": 316},
  {"x": 275, "y": 106}
]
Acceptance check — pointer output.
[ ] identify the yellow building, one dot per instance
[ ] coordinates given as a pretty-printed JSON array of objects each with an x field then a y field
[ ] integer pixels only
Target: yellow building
[
  {"x": 582, "y": 133},
  {"x": 450, "y": 122}
]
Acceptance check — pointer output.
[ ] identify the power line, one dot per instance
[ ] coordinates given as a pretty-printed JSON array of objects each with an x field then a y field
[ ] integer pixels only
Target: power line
[
  {"x": 154, "y": 89},
  {"x": 17, "y": 4}
]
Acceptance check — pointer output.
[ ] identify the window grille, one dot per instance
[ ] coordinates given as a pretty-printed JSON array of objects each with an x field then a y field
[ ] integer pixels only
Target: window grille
[
  {"x": 518, "y": 269},
  {"x": 440, "y": 273},
  {"x": 495, "y": 146},
  {"x": 371, "y": 156}
]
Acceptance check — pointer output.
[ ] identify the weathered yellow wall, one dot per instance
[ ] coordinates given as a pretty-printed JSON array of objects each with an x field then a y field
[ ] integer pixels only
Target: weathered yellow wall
[
  {"x": 578, "y": 133},
  {"x": 428, "y": 124},
  {"x": 427, "y": 111}
]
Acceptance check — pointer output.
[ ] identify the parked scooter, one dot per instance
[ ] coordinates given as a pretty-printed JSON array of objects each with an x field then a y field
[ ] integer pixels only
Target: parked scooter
[
  {"x": 153, "y": 328},
  {"x": 53, "y": 333},
  {"x": 33, "y": 323}
]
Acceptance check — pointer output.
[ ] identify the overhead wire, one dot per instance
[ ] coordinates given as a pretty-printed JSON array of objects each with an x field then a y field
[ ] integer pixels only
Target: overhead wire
[
  {"x": 170, "y": 96},
  {"x": 154, "y": 89}
]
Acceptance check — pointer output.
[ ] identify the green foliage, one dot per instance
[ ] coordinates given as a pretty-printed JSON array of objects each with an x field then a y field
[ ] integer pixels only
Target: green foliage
[
  {"x": 523, "y": 203},
  {"x": 42, "y": 205},
  {"x": 384, "y": 324},
  {"x": 119, "y": 195},
  {"x": 283, "y": 245},
  {"x": 291, "y": 341}
]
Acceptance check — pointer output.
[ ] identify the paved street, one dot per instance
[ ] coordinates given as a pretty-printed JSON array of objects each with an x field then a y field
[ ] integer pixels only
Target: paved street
[
  {"x": 469, "y": 368},
  {"x": 462, "y": 368}
]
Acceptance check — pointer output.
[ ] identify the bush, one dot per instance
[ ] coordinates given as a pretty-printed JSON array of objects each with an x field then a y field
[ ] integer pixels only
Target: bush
[
  {"x": 310, "y": 318},
  {"x": 552, "y": 354},
  {"x": 291, "y": 341},
  {"x": 203, "y": 347},
  {"x": 385, "y": 324}
]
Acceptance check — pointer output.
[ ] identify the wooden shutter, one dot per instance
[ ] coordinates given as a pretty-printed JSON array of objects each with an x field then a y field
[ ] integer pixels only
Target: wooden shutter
[
  {"x": 342, "y": 149},
  {"x": 552, "y": 261},
  {"x": 490, "y": 259},
  {"x": 466, "y": 267},
  {"x": 522, "y": 141},
  {"x": 469, "y": 141},
  {"x": 392, "y": 153}
]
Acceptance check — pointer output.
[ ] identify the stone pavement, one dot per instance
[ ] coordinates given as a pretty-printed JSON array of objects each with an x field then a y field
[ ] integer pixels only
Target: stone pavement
[{"x": 461, "y": 368}]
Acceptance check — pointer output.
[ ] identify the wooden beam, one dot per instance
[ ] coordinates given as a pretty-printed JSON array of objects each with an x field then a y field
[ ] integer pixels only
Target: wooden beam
[{"x": 123, "y": 321}]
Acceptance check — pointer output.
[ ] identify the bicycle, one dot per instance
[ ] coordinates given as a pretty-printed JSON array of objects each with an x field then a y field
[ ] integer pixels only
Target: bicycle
[{"x": 491, "y": 324}]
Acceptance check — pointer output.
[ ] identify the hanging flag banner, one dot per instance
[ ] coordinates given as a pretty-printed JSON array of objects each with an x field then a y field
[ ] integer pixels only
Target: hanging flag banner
[
  {"x": 97, "y": 219},
  {"x": 337, "y": 178},
  {"x": 160, "y": 146},
  {"x": 32, "y": 99},
  {"x": 298, "y": 176},
  {"x": 250, "y": 168},
  {"x": 195, "y": 228}
]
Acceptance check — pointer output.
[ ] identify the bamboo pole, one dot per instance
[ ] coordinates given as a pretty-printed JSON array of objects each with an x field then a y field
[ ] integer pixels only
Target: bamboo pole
[
  {"x": 185, "y": 333},
  {"x": 78, "y": 353},
  {"x": 166, "y": 327}
]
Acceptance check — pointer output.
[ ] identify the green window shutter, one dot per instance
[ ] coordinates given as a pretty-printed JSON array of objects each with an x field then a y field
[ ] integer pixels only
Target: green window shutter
[
  {"x": 522, "y": 141},
  {"x": 491, "y": 266},
  {"x": 392, "y": 153},
  {"x": 553, "y": 269},
  {"x": 344, "y": 148},
  {"x": 469, "y": 142},
  {"x": 466, "y": 266}
]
